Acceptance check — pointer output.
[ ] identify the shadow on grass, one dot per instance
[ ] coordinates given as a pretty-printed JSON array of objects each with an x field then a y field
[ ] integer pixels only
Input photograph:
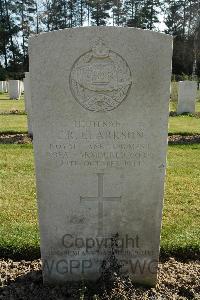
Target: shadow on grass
[
  {"x": 175, "y": 114},
  {"x": 24, "y": 253},
  {"x": 13, "y": 132},
  {"x": 183, "y": 254},
  {"x": 17, "y": 138},
  {"x": 16, "y": 112},
  {"x": 183, "y": 133},
  {"x": 183, "y": 139},
  {"x": 30, "y": 253}
]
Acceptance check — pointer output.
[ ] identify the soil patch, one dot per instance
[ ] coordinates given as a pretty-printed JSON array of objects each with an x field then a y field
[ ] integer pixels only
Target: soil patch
[
  {"x": 18, "y": 138},
  {"x": 176, "y": 280},
  {"x": 181, "y": 139}
]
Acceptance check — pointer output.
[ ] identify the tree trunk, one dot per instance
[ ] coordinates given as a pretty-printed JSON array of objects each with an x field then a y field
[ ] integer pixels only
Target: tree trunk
[
  {"x": 81, "y": 23},
  {"x": 151, "y": 15},
  {"x": 10, "y": 33},
  {"x": 190, "y": 18},
  {"x": 71, "y": 14},
  {"x": 97, "y": 20},
  {"x": 4, "y": 37},
  {"x": 132, "y": 9},
  {"x": 65, "y": 14},
  {"x": 37, "y": 25},
  {"x": 184, "y": 17},
  {"x": 88, "y": 13},
  {"x": 23, "y": 38}
]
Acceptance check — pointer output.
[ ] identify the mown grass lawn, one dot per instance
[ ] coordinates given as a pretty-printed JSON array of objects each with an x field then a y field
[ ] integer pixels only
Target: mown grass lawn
[
  {"x": 13, "y": 123},
  {"x": 184, "y": 125},
  {"x": 4, "y": 96},
  {"x": 18, "y": 214},
  {"x": 7, "y": 106},
  {"x": 181, "y": 218}
]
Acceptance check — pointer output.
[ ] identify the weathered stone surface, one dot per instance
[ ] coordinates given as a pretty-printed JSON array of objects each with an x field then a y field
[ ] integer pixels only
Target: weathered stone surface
[
  {"x": 5, "y": 86},
  {"x": 27, "y": 99},
  {"x": 22, "y": 86},
  {"x": 1, "y": 87},
  {"x": 100, "y": 109},
  {"x": 14, "y": 89},
  {"x": 187, "y": 97}
]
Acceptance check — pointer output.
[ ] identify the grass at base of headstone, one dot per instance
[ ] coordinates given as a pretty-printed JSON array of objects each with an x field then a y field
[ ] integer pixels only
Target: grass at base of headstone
[
  {"x": 12, "y": 106},
  {"x": 174, "y": 92},
  {"x": 18, "y": 213},
  {"x": 173, "y": 106},
  {"x": 184, "y": 125},
  {"x": 181, "y": 230},
  {"x": 18, "y": 209},
  {"x": 4, "y": 96},
  {"x": 13, "y": 123}
]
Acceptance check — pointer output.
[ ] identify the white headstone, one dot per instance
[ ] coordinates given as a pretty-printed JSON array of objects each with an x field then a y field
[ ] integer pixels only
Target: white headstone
[
  {"x": 14, "y": 89},
  {"x": 1, "y": 87},
  {"x": 5, "y": 86},
  {"x": 100, "y": 101},
  {"x": 27, "y": 99},
  {"x": 22, "y": 86},
  {"x": 187, "y": 97}
]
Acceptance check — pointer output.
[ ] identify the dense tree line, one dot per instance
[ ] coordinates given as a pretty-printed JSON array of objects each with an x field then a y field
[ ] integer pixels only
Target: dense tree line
[{"x": 20, "y": 18}]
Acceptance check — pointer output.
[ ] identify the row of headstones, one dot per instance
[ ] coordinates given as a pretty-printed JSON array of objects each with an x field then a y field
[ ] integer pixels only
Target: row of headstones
[
  {"x": 13, "y": 87},
  {"x": 187, "y": 92},
  {"x": 186, "y": 95},
  {"x": 3, "y": 86},
  {"x": 186, "y": 99},
  {"x": 27, "y": 100}
]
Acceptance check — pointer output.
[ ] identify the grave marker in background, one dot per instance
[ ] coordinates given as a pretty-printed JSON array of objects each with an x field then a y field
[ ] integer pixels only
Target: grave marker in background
[
  {"x": 100, "y": 101},
  {"x": 14, "y": 89},
  {"x": 5, "y": 86},
  {"x": 22, "y": 86},
  {"x": 1, "y": 87},
  {"x": 27, "y": 99},
  {"x": 187, "y": 92}
]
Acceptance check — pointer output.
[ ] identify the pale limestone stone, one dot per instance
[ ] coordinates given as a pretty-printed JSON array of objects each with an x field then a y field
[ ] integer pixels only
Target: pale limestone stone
[
  {"x": 27, "y": 100},
  {"x": 100, "y": 101},
  {"x": 1, "y": 87},
  {"x": 22, "y": 86},
  {"x": 14, "y": 89},
  {"x": 5, "y": 86},
  {"x": 187, "y": 97},
  {"x": 174, "y": 91}
]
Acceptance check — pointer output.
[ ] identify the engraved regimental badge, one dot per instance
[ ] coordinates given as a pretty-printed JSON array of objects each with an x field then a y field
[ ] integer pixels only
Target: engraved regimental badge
[{"x": 100, "y": 79}]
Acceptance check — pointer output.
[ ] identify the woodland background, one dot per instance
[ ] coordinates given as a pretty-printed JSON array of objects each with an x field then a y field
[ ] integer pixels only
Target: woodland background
[{"x": 20, "y": 18}]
